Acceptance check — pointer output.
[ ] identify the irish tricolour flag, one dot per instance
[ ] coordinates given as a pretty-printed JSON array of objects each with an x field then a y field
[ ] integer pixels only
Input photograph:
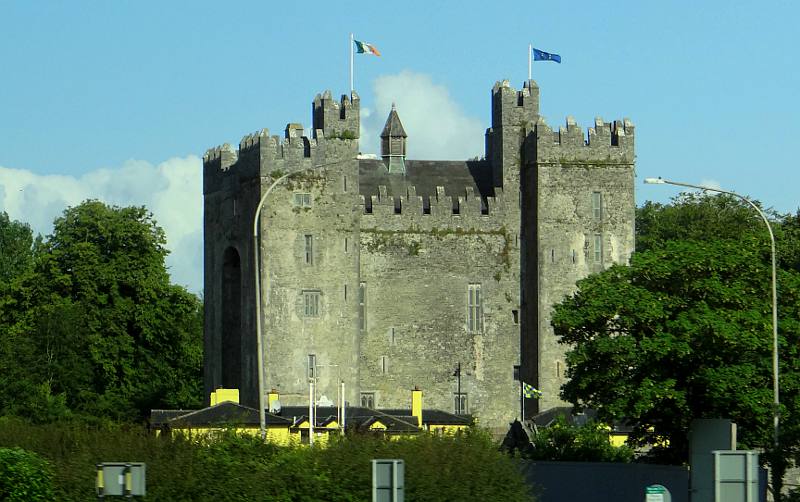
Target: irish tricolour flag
[{"x": 365, "y": 48}]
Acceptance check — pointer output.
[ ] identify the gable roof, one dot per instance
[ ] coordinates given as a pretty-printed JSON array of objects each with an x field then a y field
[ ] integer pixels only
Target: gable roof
[{"x": 226, "y": 413}]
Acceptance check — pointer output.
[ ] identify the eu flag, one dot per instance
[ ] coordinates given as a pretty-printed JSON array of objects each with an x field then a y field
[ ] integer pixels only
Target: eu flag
[{"x": 545, "y": 56}]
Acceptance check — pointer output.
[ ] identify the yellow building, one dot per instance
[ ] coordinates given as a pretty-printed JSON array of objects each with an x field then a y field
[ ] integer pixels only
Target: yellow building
[{"x": 291, "y": 424}]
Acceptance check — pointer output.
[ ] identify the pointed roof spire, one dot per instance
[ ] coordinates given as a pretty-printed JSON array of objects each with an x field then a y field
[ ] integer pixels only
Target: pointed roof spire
[{"x": 393, "y": 127}]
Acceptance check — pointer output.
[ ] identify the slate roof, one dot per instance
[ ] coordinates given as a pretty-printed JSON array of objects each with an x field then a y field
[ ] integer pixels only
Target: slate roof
[
  {"x": 161, "y": 417},
  {"x": 226, "y": 413},
  {"x": 454, "y": 175},
  {"x": 230, "y": 413},
  {"x": 393, "y": 127}
]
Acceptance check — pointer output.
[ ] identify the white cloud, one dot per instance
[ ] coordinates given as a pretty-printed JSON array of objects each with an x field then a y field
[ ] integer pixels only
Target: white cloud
[
  {"x": 437, "y": 127},
  {"x": 172, "y": 190}
]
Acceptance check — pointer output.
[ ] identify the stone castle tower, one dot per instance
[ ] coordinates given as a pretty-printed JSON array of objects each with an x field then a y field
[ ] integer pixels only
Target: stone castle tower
[{"x": 387, "y": 273}]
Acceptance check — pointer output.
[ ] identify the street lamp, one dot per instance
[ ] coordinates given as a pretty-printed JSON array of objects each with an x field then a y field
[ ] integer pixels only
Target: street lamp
[
  {"x": 775, "y": 391},
  {"x": 262, "y": 416}
]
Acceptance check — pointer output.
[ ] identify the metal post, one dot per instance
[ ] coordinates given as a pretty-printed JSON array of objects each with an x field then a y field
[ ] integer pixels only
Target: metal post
[{"x": 310, "y": 411}]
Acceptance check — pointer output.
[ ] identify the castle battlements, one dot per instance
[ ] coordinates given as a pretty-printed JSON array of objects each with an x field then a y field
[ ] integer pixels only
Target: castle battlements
[
  {"x": 403, "y": 209},
  {"x": 511, "y": 107},
  {"x": 607, "y": 143},
  {"x": 337, "y": 119}
]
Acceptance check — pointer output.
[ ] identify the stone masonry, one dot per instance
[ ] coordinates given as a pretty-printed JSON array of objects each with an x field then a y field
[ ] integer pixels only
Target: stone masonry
[{"x": 387, "y": 273}]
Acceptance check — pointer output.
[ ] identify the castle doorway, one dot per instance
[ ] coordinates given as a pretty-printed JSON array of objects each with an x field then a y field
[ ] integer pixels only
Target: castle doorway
[{"x": 231, "y": 320}]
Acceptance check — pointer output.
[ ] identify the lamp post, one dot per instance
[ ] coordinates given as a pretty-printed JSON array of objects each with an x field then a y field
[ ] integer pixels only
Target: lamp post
[
  {"x": 262, "y": 416},
  {"x": 775, "y": 389}
]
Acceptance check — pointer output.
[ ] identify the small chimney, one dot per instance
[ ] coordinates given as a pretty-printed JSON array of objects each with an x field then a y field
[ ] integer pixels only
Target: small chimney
[
  {"x": 416, "y": 405},
  {"x": 221, "y": 395}
]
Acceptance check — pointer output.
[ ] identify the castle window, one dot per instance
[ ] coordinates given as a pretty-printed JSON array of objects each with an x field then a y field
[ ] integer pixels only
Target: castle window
[
  {"x": 311, "y": 303},
  {"x": 474, "y": 309},
  {"x": 598, "y": 248},
  {"x": 552, "y": 255},
  {"x": 392, "y": 336},
  {"x": 302, "y": 199},
  {"x": 309, "y": 249},
  {"x": 344, "y": 183},
  {"x": 384, "y": 365},
  {"x": 312, "y": 366},
  {"x": 573, "y": 256},
  {"x": 346, "y": 245},
  {"x": 515, "y": 315},
  {"x": 362, "y": 306},
  {"x": 460, "y": 403},
  {"x": 597, "y": 206},
  {"x": 345, "y": 292},
  {"x": 368, "y": 400}
]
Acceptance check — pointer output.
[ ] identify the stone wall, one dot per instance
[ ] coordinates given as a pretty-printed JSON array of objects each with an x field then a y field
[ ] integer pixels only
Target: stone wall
[{"x": 584, "y": 222}]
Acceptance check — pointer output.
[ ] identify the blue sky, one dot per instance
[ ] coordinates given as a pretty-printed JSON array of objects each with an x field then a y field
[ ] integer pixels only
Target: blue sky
[{"x": 119, "y": 100}]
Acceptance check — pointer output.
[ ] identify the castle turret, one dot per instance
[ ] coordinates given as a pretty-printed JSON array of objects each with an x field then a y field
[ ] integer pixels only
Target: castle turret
[
  {"x": 393, "y": 143},
  {"x": 512, "y": 110},
  {"x": 336, "y": 119}
]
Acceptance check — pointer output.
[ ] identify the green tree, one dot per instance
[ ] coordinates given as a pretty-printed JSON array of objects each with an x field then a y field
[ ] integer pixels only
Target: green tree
[
  {"x": 98, "y": 322},
  {"x": 16, "y": 249},
  {"x": 685, "y": 331},
  {"x": 695, "y": 216}
]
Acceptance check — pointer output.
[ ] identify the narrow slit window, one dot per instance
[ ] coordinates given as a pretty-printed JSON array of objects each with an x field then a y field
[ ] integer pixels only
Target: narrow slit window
[
  {"x": 597, "y": 206},
  {"x": 312, "y": 366},
  {"x": 309, "y": 249},
  {"x": 362, "y": 306},
  {"x": 474, "y": 309},
  {"x": 515, "y": 315},
  {"x": 598, "y": 248},
  {"x": 384, "y": 365}
]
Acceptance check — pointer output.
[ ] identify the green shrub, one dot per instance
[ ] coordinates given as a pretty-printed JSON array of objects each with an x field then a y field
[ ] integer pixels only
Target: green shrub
[
  {"x": 24, "y": 476},
  {"x": 232, "y": 467},
  {"x": 585, "y": 443}
]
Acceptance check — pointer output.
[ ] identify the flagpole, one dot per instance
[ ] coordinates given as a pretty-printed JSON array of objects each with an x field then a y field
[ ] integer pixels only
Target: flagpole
[
  {"x": 351, "y": 63},
  {"x": 530, "y": 56}
]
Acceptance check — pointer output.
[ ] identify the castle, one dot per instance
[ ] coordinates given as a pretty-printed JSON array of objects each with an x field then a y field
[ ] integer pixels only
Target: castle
[{"x": 391, "y": 273}]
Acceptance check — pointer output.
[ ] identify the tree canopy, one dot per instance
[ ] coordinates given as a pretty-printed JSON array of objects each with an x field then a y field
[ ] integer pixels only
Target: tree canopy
[
  {"x": 16, "y": 249},
  {"x": 685, "y": 331},
  {"x": 95, "y": 327}
]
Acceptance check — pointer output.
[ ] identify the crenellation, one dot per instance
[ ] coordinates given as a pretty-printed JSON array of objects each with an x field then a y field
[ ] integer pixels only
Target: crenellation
[
  {"x": 607, "y": 143},
  {"x": 571, "y": 135},
  {"x": 217, "y": 165},
  {"x": 336, "y": 119},
  {"x": 511, "y": 107}
]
